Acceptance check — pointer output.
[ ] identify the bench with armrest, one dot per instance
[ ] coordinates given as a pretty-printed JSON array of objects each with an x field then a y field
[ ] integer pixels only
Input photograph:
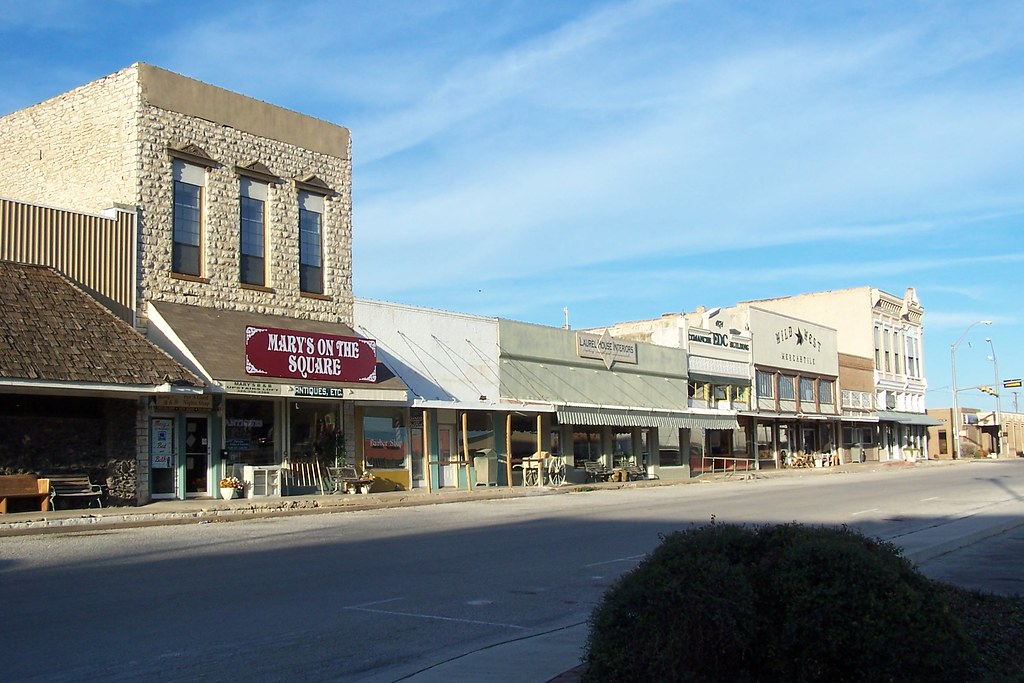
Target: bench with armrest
[
  {"x": 24, "y": 487},
  {"x": 74, "y": 487},
  {"x": 596, "y": 471},
  {"x": 352, "y": 481},
  {"x": 634, "y": 472}
]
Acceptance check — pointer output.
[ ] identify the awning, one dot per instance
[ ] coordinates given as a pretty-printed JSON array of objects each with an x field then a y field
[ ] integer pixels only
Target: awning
[
  {"x": 920, "y": 419},
  {"x": 617, "y": 417},
  {"x": 212, "y": 342}
]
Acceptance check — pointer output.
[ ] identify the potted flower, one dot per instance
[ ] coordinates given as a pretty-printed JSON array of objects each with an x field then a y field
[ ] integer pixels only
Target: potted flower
[{"x": 229, "y": 486}]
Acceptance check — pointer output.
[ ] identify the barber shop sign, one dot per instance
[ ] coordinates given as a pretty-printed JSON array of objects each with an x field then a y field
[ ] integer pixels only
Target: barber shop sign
[{"x": 273, "y": 352}]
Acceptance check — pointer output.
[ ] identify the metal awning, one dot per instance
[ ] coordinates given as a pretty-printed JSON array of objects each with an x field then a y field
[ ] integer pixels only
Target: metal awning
[
  {"x": 639, "y": 418},
  {"x": 920, "y": 419}
]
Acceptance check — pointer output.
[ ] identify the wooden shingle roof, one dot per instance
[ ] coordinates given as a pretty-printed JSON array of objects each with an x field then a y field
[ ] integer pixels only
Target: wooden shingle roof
[{"x": 52, "y": 331}]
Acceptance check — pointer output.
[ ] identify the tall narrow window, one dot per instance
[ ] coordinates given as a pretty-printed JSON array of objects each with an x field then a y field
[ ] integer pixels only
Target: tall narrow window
[
  {"x": 807, "y": 390},
  {"x": 885, "y": 340},
  {"x": 765, "y": 384},
  {"x": 311, "y": 270},
  {"x": 878, "y": 348},
  {"x": 252, "y": 228},
  {"x": 787, "y": 388},
  {"x": 186, "y": 255}
]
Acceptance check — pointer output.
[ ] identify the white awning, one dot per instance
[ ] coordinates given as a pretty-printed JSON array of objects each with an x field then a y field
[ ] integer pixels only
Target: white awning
[{"x": 639, "y": 418}]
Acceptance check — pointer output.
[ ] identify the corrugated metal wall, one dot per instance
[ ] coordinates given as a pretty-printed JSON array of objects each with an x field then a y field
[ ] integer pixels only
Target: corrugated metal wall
[{"x": 96, "y": 252}]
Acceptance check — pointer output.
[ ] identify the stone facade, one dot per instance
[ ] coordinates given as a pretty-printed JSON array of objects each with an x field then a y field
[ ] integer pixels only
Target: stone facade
[{"x": 107, "y": 143}]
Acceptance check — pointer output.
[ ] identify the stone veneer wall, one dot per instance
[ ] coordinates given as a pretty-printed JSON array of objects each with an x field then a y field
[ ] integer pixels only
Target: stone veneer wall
[
  {"x": 58, "y": 435},
  {"x": 220, "y": 287},
  {"x": 75, "y": 150}
]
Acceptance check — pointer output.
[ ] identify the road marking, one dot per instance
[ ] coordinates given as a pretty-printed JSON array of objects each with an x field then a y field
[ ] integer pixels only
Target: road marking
[
  {"x": 925, "y": 500},
  {"x": 631, "y": 558},
  {"x": 863, "y": 512},
  {"x": 365, "y": 607}
]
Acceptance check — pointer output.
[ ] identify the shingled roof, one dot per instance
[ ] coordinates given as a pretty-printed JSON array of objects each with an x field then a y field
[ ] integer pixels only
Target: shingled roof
[{"x": 52, "y": 331}]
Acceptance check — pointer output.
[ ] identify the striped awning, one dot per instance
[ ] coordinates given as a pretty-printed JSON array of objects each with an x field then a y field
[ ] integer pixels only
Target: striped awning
[{"x": 617, "y": 417}]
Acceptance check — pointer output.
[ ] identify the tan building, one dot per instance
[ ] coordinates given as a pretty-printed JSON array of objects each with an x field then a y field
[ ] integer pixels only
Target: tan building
[
  {"x": 242, "y": 235},
  {"x": 887, "y": 329}
]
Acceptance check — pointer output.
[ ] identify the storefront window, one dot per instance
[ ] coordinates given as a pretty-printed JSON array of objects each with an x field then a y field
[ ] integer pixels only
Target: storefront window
[
  {"x": 669, "y": 454},
  {"x": 479, "y": 432},
  {"x": 623, "y": 440},
  {"x": 249, "y": 432},
  {"x": 786, "y": 387},
  {"x": 384, "y": 444},
  {"x": 586, "y": 444},
  {"x": 524, "y": 436},
  {"x": 765, "y": 440},
  {"x": 315, "y": 432}
]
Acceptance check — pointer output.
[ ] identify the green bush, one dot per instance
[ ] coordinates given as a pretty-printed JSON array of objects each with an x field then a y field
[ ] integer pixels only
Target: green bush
[{"x": 775, "y": 603}]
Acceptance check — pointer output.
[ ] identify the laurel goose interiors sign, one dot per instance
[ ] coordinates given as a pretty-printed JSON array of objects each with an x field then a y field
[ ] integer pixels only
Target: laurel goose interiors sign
[{"x": 272, "y": 352}]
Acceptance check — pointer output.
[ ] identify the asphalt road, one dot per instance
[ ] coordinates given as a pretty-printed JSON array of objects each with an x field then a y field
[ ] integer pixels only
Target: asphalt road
[{"x": 380, "y": 595}]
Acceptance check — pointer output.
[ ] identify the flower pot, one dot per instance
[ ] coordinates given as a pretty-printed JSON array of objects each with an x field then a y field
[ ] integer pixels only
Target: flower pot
[{"x": 227, "y": 493}]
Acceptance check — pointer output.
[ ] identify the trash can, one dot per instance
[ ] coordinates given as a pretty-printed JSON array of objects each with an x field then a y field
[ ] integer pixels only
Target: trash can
[{"x": 485, "y": 462}]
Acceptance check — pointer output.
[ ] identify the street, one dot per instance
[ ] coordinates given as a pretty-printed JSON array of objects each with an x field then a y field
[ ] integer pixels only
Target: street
[{"x": 379, "y": 595}]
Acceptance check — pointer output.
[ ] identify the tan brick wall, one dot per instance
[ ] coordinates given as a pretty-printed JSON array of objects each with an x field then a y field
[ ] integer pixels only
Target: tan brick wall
[{"x": 75, "y": 150}]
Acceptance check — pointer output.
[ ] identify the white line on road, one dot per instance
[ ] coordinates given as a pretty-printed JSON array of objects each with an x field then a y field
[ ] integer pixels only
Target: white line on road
[
  {"x": 431, "y": 616},
  {"x": 631, "y": 558},
  {"x": 925, "y": 500},
  {"x": 863, "y": 512}
]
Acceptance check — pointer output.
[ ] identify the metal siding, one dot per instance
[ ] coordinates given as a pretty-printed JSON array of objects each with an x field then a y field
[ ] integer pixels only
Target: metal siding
[{"x": 95, "y": 252}]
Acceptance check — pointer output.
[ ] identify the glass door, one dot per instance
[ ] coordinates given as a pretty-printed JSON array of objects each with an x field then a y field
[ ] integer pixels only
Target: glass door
[
  {"x": 197, "y": 455},
  {"x": 163, "y": 462},
  {"x": 447, "y": 474}
]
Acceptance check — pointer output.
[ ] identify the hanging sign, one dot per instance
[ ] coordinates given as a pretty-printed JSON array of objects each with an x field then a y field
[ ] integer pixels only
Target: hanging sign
[{"x": 273, "y": 352}]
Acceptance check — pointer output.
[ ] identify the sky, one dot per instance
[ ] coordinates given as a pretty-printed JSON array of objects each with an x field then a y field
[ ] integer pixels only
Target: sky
[{"x": 617, "y": 160}]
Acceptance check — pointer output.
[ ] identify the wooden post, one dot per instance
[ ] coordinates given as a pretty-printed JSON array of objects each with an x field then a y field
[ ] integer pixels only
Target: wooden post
[
  {"x": 465, "y": 449},
  {"x": 540, "y": 449},
  {"x": 426, "y": 448},
  {"x": 508, "y": 448}
]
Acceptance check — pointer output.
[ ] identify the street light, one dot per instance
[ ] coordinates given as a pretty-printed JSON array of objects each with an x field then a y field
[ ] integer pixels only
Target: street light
[
  {"x": 956, "y": 407},
  {"x": 995, "y": 387}
]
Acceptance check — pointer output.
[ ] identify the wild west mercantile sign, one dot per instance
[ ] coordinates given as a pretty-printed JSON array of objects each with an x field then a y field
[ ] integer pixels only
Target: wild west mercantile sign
[
  {"x": 785, "y": 342},
  {"x": 606, "y": 348},
  {"x": 273, "y": 352}
]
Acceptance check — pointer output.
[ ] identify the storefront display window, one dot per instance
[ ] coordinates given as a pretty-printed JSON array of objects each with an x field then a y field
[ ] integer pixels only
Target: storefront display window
[
  {"x": 524, "y": 436},
  {"x": 586, "y": 444},
  {"x": 623, "y": 441},
  {"x": 315, "y": 432},
  {"x": 249, "y": 432},
  {"x": 384, "y": 444}
]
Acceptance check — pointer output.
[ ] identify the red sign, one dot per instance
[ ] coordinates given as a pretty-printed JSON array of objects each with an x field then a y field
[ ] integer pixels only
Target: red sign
[{"x": 272, "y": 352}]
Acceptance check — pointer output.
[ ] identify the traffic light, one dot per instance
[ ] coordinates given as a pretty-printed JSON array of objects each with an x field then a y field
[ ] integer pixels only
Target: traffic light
[{"x": 988, "y": 390}]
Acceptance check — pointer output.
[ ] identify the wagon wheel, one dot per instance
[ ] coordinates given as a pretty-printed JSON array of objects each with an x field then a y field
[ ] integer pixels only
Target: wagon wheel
[
  {"x": 530, "y": 476},
  {"x": 557, "y": 475}
]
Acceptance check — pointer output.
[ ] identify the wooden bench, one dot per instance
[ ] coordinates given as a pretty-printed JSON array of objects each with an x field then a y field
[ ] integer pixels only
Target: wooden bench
[
  {"x": 74, "y": 487},
  {"x": 24, "y": 487},
  {"x": 596, "y": 471},
  {"x": 634, "y": 472},
  {"x": 353, "y": 482}
]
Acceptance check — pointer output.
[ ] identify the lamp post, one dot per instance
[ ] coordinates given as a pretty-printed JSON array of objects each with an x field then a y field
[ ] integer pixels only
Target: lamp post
[
  {"x": 995, "y": 388},
  {"x": 956, "y": 407}
]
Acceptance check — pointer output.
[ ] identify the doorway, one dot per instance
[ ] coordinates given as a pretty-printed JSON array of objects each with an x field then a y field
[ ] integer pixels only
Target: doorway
[
  {"x": 447, "y": 472},
  {"x": 197, "y": 455},
  {"x": 163, "y": 461}
]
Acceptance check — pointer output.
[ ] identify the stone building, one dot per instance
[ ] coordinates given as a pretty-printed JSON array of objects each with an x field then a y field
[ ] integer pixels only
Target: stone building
[{"x": 241, "y": 251}]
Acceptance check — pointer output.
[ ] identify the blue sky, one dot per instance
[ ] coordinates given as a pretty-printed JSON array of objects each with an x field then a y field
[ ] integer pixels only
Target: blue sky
[{"x": 627, "y": 159}]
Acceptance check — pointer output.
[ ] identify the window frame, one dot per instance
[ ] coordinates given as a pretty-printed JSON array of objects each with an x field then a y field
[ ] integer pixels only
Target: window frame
[
  {"x": 188, "y": 178},
  {"x": 311, "y": 275},
  {"x": 252, "y": 191}
]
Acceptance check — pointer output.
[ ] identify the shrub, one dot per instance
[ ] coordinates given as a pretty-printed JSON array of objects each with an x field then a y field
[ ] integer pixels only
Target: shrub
[{"x": 775, "y": 603}]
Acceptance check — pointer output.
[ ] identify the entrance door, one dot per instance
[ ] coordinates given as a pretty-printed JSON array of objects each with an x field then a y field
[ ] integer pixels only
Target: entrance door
[
  {"x": 447, "y": 473},
  {"x": 163, "y": 463},
  {"x": 197, "y": 455}
]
